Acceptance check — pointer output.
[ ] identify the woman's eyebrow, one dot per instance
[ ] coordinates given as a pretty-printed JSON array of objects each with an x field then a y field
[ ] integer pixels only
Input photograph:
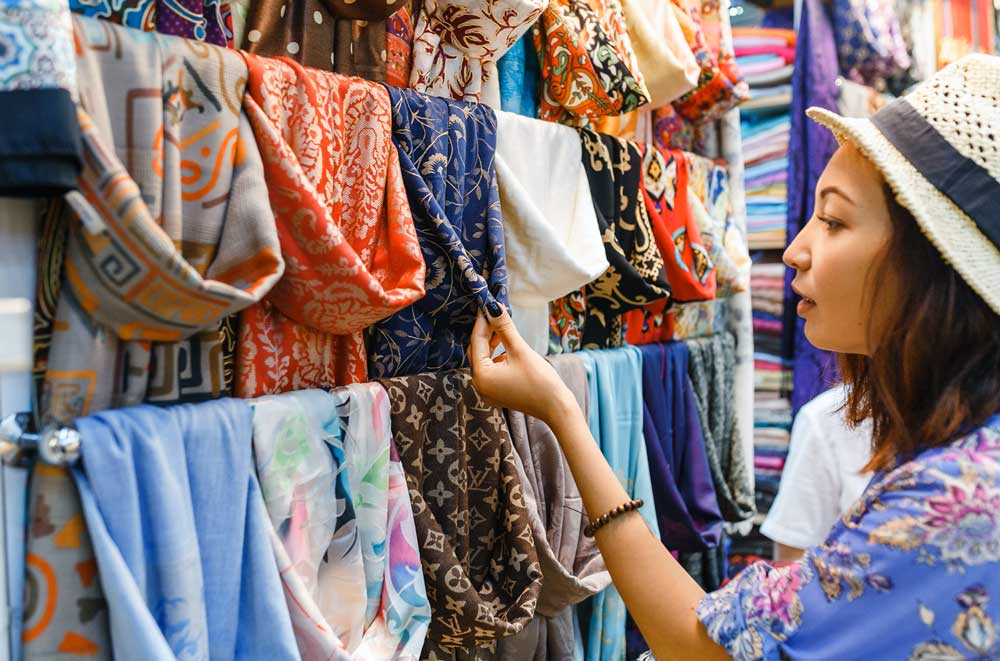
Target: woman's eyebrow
[{"x": 833, "y": 190}]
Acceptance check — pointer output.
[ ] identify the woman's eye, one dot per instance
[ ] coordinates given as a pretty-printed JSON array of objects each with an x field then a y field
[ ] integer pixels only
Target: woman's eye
[{"x": 831, "y": 224}]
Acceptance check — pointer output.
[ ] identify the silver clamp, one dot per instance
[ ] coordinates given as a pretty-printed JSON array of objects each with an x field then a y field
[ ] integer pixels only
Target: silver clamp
[{"x": 56, "y": 446}]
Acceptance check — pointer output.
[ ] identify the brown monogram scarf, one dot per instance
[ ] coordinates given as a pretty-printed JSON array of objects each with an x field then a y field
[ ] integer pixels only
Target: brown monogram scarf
[{"x": 480, "y": 564}]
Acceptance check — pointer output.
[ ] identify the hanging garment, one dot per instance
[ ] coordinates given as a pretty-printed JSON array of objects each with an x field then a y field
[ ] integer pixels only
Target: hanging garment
[
  {"x": 480, "y": 562},
  {"x": 636, "y": 276},
  {"x": 343, "y": 221},
  {"x": 57, "y": 538},
  {"x": 736, "y": 309},
  {"x": 957, "y": 29},
  {"x": 65, "y": 612},
  {"x": 870, "y": 45},
  {"x": 567, "y": 316},
  {"x": 446, "y": 150},
  {"x": 551, "y": 237},
  {"x": 686, "y": 505},
  {"x": 520, "y": 78},
  {"x": 709, "y": 199},
  {"x": 668, "y": 66},
  {"x": 399, "y": 47},
  {"x": 458, "y": 43},
  {"x": 690, "y": 270},
  {"x": 202, "y": 20},
  {"x": 331, "y": 35},
  {"x": 136, "y": 263},
  {"x": 635, "y": 126},
  {"x": 705, "y": 23},
  {"x": 337, "y": 497},
  {"x": 181, "y": 534},
  {"x": 572, "y": 566},
  {"x": 711, "y": 368},
  {"x": 615, "y": 391},
  {"x": 588, "y": 66},
  {"x": 671, "y": 131},
  {"x": 139, "y": 312},
  {"x": 40, "y": 142},
  {"x": 810, "y": 149}
]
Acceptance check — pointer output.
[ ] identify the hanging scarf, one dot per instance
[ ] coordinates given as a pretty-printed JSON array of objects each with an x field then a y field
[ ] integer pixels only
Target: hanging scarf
[
  {"x": 201, "y": 20},
  {"x": 446, "y": 151},
  {"x": 519, "y": 77},
  {"x": 181, "y": 533},
  {"x": 135, "y": 263},
  {"x": 188, "y": 153},
  {"x": 686, "y": 504},
  {"x": 589, "y": 69},
  {"x": 706, "y": 25},
  {"x": 661, "y": 51},
  {"x": 480, "y": 563},
  {"x": 551, "y": 236},
  {"x": 331, "y": 35},
  {"x": 343, "y": 222},
  {"x": 458, "y": 43},
  {"x": 708, "y": 185},
  {"x": 39, "y": 144},
  {"x": 572, "y": 566},
  {"x": 567, "y": 316},
  {"x": 870, "y": 44},
  {"x": 337, "y": 498},
  {"x": 712, "y": 370},
  {"x": 399, "y": 47},
  {"x": 636, "y": 276},
  {"x": 616, "y": 409},
  {"x": 689, "y": 267}
]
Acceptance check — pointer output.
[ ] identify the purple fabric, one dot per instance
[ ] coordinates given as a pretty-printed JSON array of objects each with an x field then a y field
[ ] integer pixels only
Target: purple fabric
[
  {"x": 687, "y": 509},
  {"x": 813, "y": 84}
]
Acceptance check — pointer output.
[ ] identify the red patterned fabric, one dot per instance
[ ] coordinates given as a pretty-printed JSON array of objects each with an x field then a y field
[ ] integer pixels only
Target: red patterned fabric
[
  {"x": 399, "y": 48},
  {"x": 689, "y": 267},
  {"x": 347, "y": 236}
]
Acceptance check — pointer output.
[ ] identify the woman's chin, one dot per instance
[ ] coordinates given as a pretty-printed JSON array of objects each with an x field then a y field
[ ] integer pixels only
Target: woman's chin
[{"x": 827, "y": 338}]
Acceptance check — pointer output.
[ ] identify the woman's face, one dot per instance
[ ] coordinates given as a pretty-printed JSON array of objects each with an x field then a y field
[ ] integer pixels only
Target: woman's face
[{"x": 837, "y": 253}]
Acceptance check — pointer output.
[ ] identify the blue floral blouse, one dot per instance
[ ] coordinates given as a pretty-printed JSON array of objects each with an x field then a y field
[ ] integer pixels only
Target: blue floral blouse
[{"x": 912, "y": 572}]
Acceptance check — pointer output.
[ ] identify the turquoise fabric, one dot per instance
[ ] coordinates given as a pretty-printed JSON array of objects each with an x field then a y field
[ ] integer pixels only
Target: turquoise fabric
[
  {"x": 614, "y": 377},
  {"x": 520, "y": 78}
]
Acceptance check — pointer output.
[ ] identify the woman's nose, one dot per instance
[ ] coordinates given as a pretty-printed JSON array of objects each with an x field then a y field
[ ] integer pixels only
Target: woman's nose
[{"x": 796, "y": 255}]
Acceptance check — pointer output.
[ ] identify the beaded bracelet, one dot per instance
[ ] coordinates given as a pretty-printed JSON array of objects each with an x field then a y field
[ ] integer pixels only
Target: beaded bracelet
[{"x": 606, "y": 518}]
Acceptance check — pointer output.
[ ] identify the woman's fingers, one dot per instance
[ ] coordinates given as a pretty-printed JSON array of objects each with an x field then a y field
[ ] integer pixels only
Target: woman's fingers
[
  {"x": 501, "y": 324},
  {"x": 480, "y": 351}
]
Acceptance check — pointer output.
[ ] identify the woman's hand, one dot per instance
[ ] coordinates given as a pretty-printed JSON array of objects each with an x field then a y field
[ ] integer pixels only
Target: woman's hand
[{"x": 520, "y": 379}]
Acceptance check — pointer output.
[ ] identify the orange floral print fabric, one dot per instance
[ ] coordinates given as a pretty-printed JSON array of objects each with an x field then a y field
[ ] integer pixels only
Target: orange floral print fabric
[
  {"x": 589, "y": 69},
  {"x": 344, "y": 224}
]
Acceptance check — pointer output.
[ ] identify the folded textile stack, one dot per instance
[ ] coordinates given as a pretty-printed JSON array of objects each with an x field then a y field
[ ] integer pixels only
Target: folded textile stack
[
  {"x": 765, "y": 57},
  {"x": 772, "y": 374}
]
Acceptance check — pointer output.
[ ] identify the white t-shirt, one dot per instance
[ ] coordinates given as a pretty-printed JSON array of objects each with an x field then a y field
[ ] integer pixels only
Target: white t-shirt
[{"x": 821, "y": 478}]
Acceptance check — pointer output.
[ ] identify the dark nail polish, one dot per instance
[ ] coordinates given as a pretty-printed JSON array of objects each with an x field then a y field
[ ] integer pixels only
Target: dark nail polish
[{"x": 493, "y": 308}]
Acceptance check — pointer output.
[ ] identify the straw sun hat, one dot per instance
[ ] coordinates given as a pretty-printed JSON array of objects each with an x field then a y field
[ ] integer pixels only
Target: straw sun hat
[{"x": 939, "y": 149}]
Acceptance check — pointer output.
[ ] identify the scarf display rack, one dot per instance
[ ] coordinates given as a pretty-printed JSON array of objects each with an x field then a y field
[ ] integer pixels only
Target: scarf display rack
[{"x": 61, "y": 446}]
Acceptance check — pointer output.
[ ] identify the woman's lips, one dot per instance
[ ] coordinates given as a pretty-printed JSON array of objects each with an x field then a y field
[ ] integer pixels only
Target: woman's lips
[{"x": 806, "y": 304}]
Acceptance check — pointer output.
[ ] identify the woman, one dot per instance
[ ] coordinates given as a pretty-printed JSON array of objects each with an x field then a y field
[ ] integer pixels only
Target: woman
[{"x": 899, "y": 271}]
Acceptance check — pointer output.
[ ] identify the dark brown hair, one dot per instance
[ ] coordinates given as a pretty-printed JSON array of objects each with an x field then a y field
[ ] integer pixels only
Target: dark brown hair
[{"x": 935, "y": 371}]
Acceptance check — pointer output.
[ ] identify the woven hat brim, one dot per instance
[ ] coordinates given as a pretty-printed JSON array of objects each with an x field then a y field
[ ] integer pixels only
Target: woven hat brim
[{"x": 945, "y": 225}]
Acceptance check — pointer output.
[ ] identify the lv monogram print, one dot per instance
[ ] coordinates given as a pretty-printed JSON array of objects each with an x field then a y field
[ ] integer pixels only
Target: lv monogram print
[{"x": 480, "y": 564}]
